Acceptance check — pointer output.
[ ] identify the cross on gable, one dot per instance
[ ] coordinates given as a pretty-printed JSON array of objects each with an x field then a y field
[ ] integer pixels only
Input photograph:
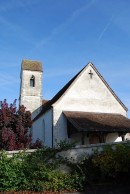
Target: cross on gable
[{"x": 91, "y": 74}]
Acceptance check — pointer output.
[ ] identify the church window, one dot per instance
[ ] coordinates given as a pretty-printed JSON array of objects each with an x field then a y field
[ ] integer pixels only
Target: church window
[{"x": 32, "y": 81}]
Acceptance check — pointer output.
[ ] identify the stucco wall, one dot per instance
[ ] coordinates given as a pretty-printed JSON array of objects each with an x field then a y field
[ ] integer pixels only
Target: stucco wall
[
  {"x": 31, "y": 97},
  {"x": 86, "y": 94},
  {"x": 113, "y": 137},
  {"x": 78, "y": 153},
  {"x": 42, "y": 129}
]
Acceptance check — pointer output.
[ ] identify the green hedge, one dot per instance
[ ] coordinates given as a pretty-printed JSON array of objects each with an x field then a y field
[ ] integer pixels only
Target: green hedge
[
  {"x": 106, "y": 166},
  {"x": 38, "y": 171}
]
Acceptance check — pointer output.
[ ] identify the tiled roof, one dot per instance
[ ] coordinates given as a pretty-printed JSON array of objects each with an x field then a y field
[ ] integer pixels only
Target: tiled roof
[
  {"x": 44, "y": 101},
  {"x": 89, "y": 121},
  {"x": 31, "y": 65},
  {"x": 49, "y": 104}
]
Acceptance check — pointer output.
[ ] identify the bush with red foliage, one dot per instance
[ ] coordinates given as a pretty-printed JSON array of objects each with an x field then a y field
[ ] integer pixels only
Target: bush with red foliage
[
  {"x": 37, "y": 144},
  {"x": 14, "y": 127}
]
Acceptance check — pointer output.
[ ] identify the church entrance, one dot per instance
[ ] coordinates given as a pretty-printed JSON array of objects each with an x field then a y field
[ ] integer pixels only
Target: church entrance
[{"x": 94, "y": 139}]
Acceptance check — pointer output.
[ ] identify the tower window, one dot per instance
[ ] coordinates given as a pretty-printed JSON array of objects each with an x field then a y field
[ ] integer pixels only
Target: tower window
[{"x": 32, "y": 81}]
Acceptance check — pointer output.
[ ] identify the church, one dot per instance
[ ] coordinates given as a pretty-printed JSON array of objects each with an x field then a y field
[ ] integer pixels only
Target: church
[{"x": 86, "y": 110}]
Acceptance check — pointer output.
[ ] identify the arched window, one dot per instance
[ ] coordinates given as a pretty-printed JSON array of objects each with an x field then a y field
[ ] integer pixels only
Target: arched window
[{"x": 32, "y": 81}]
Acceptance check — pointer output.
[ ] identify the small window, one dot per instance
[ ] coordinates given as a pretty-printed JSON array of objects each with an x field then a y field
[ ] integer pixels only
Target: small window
[{"x": 32, "y": 81}]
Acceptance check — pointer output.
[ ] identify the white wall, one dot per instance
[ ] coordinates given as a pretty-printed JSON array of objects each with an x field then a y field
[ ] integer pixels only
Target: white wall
[
  {"x": 78, "y": 153},
  {"x": 42, "y": 128},
  {"x": 74, "y": 154},
  {"x": 88, "y": 95},
  {"x": 31, "y": 97},
  {"x": 113, "y": 137}
]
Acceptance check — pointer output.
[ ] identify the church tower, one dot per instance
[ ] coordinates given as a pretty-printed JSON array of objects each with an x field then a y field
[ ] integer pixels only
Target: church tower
[{"x": 31, "y": 86}]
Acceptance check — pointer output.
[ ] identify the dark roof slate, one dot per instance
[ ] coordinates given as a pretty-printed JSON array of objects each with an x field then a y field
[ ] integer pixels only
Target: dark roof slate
[
  {"x": 44, "y": 101},
  {"x": 89, "y": 121},
  {"x": 31, "y": 65}
]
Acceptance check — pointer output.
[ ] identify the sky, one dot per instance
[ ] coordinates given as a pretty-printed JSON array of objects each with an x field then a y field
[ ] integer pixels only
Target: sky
[{"x": 65, "y": 35}]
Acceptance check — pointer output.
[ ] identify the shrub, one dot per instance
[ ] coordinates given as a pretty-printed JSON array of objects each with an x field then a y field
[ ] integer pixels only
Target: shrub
[
  {"x": 39, "y": 171},
  {"x": 114, "y": 162},
  {"x": 15, "y": 124},
  {"x": 12, "y": 175},
  {"x": 14, "y": 127}
]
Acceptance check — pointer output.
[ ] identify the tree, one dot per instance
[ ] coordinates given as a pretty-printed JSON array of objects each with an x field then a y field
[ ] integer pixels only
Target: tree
[{"x": 14, "y": 127}]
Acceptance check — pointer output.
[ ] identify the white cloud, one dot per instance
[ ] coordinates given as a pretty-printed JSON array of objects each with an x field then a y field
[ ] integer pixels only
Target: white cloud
[
  {"x": 82, "y": 9},
  {"x": 65, "y": 24},
  {"x": 13, "y": 28},
  {"x": 13, "y": 4},
  {"x": 9, "y": 24},
  {"x": 105, "y": 28}
]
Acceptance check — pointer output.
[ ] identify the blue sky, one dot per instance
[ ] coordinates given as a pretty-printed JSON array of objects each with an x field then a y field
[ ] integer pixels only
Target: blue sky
[{"x": 65, "y": 35}]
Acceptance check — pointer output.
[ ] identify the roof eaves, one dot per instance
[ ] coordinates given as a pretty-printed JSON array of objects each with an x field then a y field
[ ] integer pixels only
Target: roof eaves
[{"x": 45, "y": 108}]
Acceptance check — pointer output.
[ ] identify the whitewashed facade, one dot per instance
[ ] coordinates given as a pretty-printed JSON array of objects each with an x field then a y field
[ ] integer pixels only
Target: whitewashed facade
[
  {"x": 86, "y": 92},
  {"x": 31, "y": 86}
]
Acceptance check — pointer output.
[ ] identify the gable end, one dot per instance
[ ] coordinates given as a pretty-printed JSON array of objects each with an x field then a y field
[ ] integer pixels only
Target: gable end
[
  {"x": 62, "y": 92},
  {"x": 107, "y": 85}
]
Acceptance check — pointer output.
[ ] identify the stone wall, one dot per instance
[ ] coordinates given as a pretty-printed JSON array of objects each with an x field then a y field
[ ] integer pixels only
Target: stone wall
[{"x": 76, "y": 153}]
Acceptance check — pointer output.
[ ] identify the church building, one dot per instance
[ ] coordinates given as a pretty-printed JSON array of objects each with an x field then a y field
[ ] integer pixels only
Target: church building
[{"x": 86, "y": 110}]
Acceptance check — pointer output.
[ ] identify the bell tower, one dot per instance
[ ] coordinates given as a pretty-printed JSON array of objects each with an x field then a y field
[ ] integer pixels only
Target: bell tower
[{"x": 31, "y": 86}]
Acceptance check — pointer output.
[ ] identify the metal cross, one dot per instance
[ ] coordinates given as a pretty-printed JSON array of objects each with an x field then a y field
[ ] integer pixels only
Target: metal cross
[{"x": 91, "y": 74}]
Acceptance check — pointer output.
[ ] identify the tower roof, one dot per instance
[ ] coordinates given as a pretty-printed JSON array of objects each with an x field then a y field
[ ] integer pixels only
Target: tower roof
[{"x": 31, "y": 65}]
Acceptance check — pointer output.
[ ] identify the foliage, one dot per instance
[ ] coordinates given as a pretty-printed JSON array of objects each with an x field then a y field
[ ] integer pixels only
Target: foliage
[
  {"x": 43, "y": 172},
  {"x": 11, "y": 172},
  {"x": 85, "y": 171},
  {"x": 114, "y": 162},
  {"x": 109, "y": 165},
  {"x": 39, "y": 171},
  {"x": 65, "y": 144},
  {"x": 14, "y": 127},
  {"x": 37, "y": 144}
]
